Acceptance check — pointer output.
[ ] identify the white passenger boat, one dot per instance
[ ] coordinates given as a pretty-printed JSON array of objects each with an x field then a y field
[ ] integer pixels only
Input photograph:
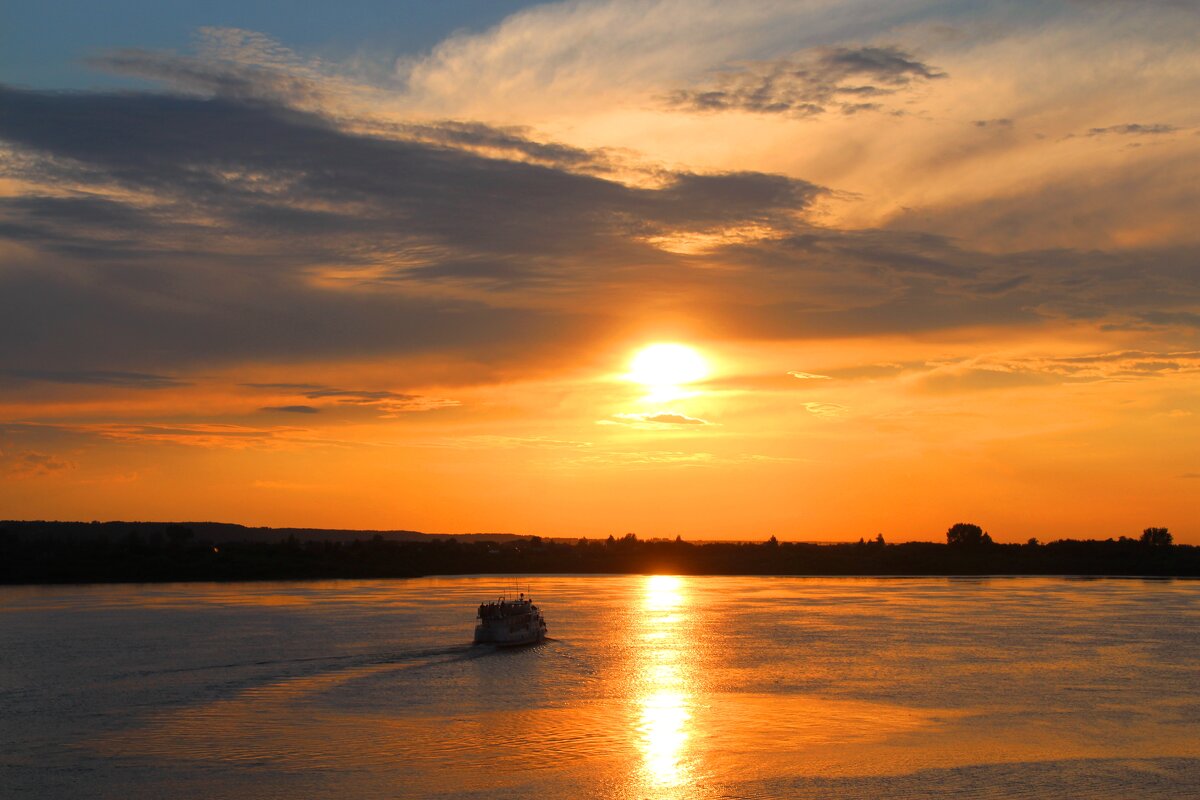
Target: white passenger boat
[{"x": 509, "y": 622}]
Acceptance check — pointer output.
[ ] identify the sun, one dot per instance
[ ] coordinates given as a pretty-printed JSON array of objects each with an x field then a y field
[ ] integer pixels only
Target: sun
[{"x": 666, "y": 365}]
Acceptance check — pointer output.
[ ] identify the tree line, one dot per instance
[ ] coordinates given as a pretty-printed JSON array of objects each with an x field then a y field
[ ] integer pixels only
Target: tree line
[{"x": 176, "y": 553}]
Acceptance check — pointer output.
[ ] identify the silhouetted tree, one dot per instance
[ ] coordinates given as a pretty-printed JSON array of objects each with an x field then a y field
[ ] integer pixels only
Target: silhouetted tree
[
  {"x": 772, "y": 542},
  {"x": 879, "y": 540},
  {"x": 178, "y": 534},
  {"x": 967, "y": 534},
  {"x": 1158, "y": 537}
]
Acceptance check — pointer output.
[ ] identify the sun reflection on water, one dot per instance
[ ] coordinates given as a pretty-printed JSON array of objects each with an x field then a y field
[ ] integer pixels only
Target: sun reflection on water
[{"x": 665, "y": 699}]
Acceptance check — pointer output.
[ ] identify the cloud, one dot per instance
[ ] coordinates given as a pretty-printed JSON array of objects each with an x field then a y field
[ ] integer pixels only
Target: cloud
[
  {"x": 808, "y": 376},
  {"x": 510, "y": 141},
  {"x": 125, "y": 380},
  {"x": 957, "y": 379},
  {"x": 386, "y": 401},
  {"x": 657, "y": 418},
  {"x": 486, "y": 243},
  {"x": 33, "y": 464},
  {"x": 233, "y": 80},
  {"x": 1134, "y": 129},
  {"x": 202, "y": 434},
  {"x": 811, "y": 83},
  {"x": 995, "y": 373},
  {"x": 291, "y": 246},
  {"x": 825, "y": 410},
  {"x": 583, "y": 58},
  {"x": 240, "y": 64},
  {"x": 1166, "y": 318}
]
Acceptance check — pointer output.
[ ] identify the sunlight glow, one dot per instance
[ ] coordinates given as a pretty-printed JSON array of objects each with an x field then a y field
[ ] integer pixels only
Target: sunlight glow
[{"x": 667, "y": 365}]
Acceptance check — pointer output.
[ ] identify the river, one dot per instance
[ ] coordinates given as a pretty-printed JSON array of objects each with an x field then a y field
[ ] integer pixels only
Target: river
[{"x": 649, "y": 687}]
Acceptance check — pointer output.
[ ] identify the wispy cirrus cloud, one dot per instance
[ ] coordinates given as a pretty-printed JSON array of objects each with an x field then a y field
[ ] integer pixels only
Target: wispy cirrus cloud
[{"x": 237, "y": 64}]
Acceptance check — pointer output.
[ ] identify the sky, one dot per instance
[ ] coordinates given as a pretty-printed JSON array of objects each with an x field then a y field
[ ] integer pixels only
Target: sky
[{"x": 413, "y": 265}]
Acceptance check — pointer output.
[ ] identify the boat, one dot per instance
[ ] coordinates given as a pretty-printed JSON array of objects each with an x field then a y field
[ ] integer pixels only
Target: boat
[{"x": 509, "y": 622}]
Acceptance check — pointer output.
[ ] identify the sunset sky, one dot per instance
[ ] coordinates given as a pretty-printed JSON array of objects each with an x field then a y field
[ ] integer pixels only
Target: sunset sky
[{"x": 399, "y": 264}]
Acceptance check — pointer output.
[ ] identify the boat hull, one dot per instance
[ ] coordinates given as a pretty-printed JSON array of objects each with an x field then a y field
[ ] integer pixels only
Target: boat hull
[{"x": 504, "y": 637}]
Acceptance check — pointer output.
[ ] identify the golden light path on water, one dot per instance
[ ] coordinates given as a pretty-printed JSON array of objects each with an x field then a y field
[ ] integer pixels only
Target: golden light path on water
[{"x": 665, "y": 700}]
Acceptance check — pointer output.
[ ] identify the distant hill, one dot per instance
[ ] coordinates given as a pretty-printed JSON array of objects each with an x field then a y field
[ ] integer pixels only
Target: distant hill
[{"x": 224, "y": 532}]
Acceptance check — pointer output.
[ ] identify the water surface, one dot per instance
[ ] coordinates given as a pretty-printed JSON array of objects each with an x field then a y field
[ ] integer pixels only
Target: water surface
[{"x": 651, "y": 686}]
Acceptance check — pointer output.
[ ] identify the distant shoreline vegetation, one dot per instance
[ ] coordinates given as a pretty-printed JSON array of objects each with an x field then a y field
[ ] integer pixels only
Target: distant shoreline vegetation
[{"x": 144, "y": 552}]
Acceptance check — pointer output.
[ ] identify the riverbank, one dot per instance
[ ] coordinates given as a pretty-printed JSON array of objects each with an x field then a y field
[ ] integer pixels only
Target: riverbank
[{"x": 38, "y": 554}]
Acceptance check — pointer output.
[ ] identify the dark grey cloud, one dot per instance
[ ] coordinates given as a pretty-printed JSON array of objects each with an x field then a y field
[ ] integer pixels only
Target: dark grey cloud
[
  {"x": 248, "y": 198},
  {"x": 354, "y": 396},
  {"x": 189, "y": 318},
  {"x": 826, "y": 283},
  {"x": 514, "y": 141},
  {"x": 262, "y": 232},
  {"x": 125, "y": 380},
  {"x": 376, "y": 401},
  {"x": 1070, "y": 213},
  {"x": 845, "y": 79},
  {"x": 1133, "y": 129},
  {"x": 1189, "y": 319},
  {"x": 317, "y": 392},
  {"x": 275, "y": 173},
  {"x": 285, "y": 387}
]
